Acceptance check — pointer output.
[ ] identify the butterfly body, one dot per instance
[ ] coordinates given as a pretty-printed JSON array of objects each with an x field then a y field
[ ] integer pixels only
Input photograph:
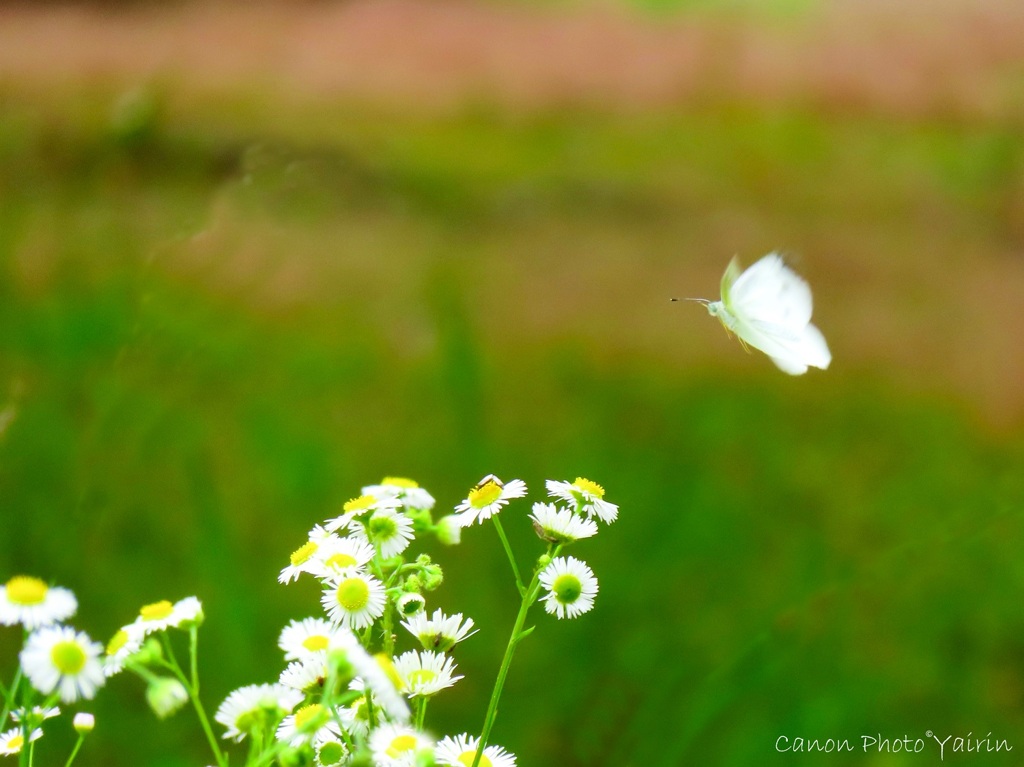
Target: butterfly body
[{"x": 768, "y": 306}]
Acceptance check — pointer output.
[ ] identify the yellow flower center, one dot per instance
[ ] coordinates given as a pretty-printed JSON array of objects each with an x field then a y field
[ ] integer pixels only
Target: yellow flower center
[
  {"x": 485, "y": 494},
  {"x": 341, "y": 561},
  {"x": 353, "y": 594},
  {"x": 467, "y": 757},
  {"x": 567, "y": 588},
  {"x": 68, "y": 657},
  {"x": 401, "y": 744},
  {"x": 307, "y": 715},
  {"x": 316, "y": 642},
  {"x": 362, "y": 503},
  {"x": 399, "y": 482},
  {"x": 26, "y": 590},
  {"x": 119, "y": 640},
  {"x": 589, "y": 487},
  {"x": 304, "y": 552},
  {"x": 14, "y": 744},
  {"x": 422, "y": 676},
  {"x": 156, "y": 611}
]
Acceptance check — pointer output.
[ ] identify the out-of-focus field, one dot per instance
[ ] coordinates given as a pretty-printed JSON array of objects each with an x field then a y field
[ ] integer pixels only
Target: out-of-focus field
[{"x": 233, "y": 290}]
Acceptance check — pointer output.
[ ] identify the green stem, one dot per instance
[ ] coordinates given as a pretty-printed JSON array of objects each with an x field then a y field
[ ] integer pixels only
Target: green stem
[
  {"x": 193, "y": 695},
  {"x": 529, "y": 597},
  {"x": 74, "y": 751},
  {"x": 511, "y": 557},
  {"x": 9, "y": 698}
]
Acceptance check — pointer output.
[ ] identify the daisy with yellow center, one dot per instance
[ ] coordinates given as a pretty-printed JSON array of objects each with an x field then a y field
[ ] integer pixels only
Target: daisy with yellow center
[
  {"x": 460, "y": 751},
  {"x": 425, "y": 673},
  {"x": 59, "y": 658},
  {"x": 162, "y": 615},
  {"x": 307, "y": 675},
  {"x": 12, "y": 740},
  {"x": 408, "y": 492},
  {"x": 32, "y": 603},
  {"x": 354, "y": 599},
  {"x": 308, "y": 637},
  {"x": 304, "y": 559},
  {"x": 376, "y": 677},
  {"x": 487, "y": 498},
  {"x": 587, "y": 497},
  {"x": 306, "y": 724},
  {"x": 396, "y": 745},
  {"x": 119, "y": 649},
  {"x": 360, "y": 508},
  {"x": 571, "y": 587},
  {"x": 338, "y": 554}
]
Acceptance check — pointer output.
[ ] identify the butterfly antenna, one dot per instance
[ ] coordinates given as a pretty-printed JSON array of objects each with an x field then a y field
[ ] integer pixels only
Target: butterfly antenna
[{"x": 698, "y": 300}]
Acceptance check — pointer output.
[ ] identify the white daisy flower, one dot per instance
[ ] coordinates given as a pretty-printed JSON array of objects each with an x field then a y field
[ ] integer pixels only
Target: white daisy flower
[
  {"x": 307, "y": 675},
  {"x": 388, "y": 530},
  {"x": 30, "y": 602},
  {"x": 487, "y": 498},
  {"x": 307, "y": 637},
  {"x": 449, "y": 530},
  {"x": 255, "y": 708},
  {"x": 396, "y": 745},
  {"x": 12, "y": 740},
  {"x": 425, "y": 673},
  {"x": 586, "y": 496},
  {"x": 338, "y": 554},
  {"x": 560, "y": 525},
  {"x": 407, "y": 491},
  {"x": 36, "y": 716},
  {"x": 361, "y": 507},
  {"x": 306, "y": 724},
  {"x": 439, "y": 632},
  {"x": 354, "y": 599},
  {"x": 59, "y": 658},
  {"x": 163, "y": 615},
  {"x": 461, "y": 751},
  {"x": 303, "y": 559},
  {"x": 571, "y": 587},
  {"x": 119, "y": 649}
]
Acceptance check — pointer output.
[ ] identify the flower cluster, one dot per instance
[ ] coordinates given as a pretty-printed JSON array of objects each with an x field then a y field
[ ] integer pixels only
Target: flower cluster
[
  {"x": 357, "y": 678},
  {"x": 59, "y": 662}
]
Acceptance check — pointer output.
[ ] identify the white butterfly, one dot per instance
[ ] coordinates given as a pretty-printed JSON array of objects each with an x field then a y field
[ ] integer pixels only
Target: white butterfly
[{"x": 768, "y": 306}]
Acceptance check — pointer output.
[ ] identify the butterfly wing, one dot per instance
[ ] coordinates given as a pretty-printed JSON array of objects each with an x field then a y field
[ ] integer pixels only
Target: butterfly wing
[
  {"x": 769, "y": 291},
  {"x": 792, "y": 349}
]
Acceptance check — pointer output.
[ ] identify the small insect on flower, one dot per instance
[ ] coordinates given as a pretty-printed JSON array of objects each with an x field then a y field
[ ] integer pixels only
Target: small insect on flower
[
  {"x": 768, "y": 306},
  {"x": 487, "y": 497}
]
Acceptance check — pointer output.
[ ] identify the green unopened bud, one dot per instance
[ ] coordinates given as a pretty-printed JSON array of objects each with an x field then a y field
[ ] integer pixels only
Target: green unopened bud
[
  {"x": 449, "y": 530},
  {"x": 413, "y": 584},
  {"x": 83, "y": 722},
  {"x": 165, "y": 696},
  {"x": 433, "y": 577},
  {"x": 543, "y": 561}
]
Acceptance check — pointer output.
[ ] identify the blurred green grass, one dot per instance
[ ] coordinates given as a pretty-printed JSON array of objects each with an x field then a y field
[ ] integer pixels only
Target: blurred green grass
[{"x": 212, "y": 336}]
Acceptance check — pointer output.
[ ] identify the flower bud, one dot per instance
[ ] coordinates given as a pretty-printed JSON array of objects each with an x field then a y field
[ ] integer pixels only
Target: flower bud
[
  {"x": 165, "y": 696},
  {"x": 410, "y": 604},
  {"x": 449, "y": 530},
  {"x": 83, "y": 722}
]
